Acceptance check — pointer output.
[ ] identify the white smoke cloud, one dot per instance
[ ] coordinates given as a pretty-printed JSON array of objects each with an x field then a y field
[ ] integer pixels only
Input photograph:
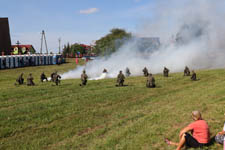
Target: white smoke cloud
[{"x": 200, "y": 23}]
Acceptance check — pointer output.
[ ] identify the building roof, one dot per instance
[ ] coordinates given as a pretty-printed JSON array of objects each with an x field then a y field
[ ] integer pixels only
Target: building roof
[{"x": 20, "y": 46}]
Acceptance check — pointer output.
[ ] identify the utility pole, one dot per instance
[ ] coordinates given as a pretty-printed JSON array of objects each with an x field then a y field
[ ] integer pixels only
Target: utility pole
[
  {"x": 41, "y": 42},
  {"x": 43, "y": 38},
  {"x": 59, "y": 45}
]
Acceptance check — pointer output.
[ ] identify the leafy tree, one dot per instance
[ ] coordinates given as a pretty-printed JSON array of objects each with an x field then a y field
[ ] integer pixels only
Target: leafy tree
[
  {"x": 73, "y": 49},
  {"x": 66, "y": 50},
  {"x": 78, "y": 48},
  {"x": 111, "y": 42}
]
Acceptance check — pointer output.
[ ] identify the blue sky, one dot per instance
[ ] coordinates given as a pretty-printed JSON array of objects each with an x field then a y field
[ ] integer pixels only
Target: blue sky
[{"x": 73, "y": 21}]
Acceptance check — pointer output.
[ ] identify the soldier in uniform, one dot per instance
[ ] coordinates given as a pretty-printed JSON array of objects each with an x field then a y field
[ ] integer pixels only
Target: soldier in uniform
[
  {"x": 105, "y": 71},
  {"x": 166, "y": 72},
  {"x": 20, "y": 79},
  {"x": 53, "y": 75},
  {"x": 128, "y": 72},
  {"x": 30, "y": 80},
  {"x": 43, "y": 77},
  {"x": 145, "y": 71},
  {"x": 186, "y": 71},
  {"x": 193, "y": 76},
  {"x": 56, "y": 78},
  {"x": 150, "y": 81},
  {"x": 84, "y": 78},
  {"x": 120, "y": 79}
]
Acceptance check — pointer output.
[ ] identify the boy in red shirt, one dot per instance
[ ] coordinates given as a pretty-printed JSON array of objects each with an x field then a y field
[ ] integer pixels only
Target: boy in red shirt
[{"x": 200, "y": 133}]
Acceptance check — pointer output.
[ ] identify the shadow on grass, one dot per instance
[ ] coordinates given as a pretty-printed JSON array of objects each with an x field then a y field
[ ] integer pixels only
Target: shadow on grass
[
  {"x": 156, "y": 87},
  {"x": 122, "y": 86},
  {"x": 196, "y": 80}
]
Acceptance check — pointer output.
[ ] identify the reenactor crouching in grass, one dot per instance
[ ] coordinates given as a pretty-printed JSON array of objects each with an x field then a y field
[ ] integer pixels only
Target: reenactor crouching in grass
[
  {"x": 187, "y": 71},
  {"x": 105, "y": 71},
  {"x": 30, "y": 80},
  {"x": 20, "y": 79},
  {"x": 43, "y": 77},
  {"x": 120, "y": 79},
  {"x": 166, "y": 72},
  {"x": 145, "y": 71},
  {"x": 84, "y": 78},
  {"x": 53, "y": 75},
  {"x": 56, "y": 78},
  {"x": 150, "y": 81},
  {"x": 193, "y": 76}
]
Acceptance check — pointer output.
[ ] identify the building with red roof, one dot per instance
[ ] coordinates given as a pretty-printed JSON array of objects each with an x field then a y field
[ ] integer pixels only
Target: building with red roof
[{"x": 22, "y": 49}]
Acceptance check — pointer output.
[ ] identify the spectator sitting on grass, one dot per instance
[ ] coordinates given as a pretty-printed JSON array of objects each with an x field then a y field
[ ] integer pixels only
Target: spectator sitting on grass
[
  {"x": 200, "y": 133},
  {"x": 221, "y": 135}
]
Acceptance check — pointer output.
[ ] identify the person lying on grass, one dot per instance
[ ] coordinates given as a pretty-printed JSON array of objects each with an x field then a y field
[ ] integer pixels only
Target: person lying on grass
[
  {"x": 200, "y": 133},
  {"x": 221, "y": 135}
]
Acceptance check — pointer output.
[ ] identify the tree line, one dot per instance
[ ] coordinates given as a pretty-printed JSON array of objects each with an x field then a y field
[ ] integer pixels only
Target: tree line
[
  {"x": 111, "y": 42},
  {"x": 104, "y": 46},
  {"x": 74, "y": 49}
]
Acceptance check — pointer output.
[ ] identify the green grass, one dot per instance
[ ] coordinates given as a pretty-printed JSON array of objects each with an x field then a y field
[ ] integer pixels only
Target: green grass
[{"x": 101, "y": 116}]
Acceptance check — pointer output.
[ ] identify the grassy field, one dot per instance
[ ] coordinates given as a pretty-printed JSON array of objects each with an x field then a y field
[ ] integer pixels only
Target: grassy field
[{"x": 101, "y": 116}]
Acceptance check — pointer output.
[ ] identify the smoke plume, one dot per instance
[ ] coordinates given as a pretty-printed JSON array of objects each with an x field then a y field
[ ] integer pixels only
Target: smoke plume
[{"x": 191, "y": 32}]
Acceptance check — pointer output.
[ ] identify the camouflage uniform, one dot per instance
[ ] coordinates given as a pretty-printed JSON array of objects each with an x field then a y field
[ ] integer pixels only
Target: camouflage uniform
[
  {"x": 105, "y": 71},
  {"x": 193, "y": 76},
  {"x": 43, "y": 77},
  {"x": 53, "y": 75},
  {"x": 150, "y": 81},
  {"x": 84, "y": 78},
  {"x": 145, "y": 71},
  {"x": 20, "y": 79},
  {"x": 186, "y": 71},
  {"x": 56, "y": 78},
  {"x": 30, "y": 80},
  {"x": 120, "y": 79},
  {"x": 166, "y": 72},
  {"x": 128, "y": 72}
]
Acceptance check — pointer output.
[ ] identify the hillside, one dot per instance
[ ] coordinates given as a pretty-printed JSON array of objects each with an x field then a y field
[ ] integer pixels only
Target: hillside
[{"x": 101, "y": 116}]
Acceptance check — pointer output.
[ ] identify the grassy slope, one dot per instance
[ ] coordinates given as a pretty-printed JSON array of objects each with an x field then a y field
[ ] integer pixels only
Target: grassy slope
[{"x": 102, "y": 116}]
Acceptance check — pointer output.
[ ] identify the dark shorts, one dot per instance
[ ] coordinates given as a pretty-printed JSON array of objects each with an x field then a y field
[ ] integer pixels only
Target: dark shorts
[{"x": 192, "y": 142}]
